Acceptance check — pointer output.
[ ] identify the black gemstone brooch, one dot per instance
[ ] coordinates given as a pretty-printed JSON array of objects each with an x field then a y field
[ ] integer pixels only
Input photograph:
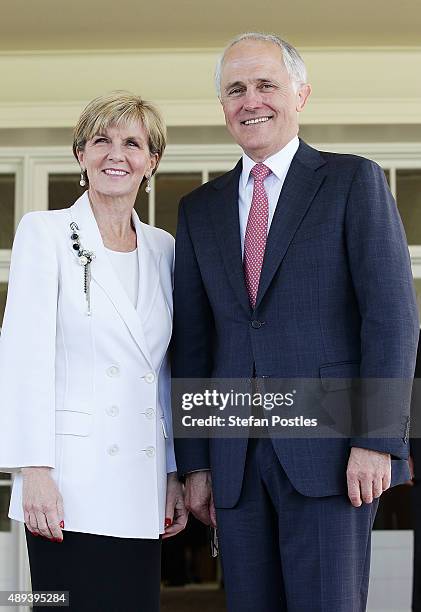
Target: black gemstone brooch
[{"x": 85, "y": 259}]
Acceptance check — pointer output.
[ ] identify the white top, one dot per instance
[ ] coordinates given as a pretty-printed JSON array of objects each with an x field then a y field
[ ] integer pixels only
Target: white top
[
  {"x": 279, "y": 164},
  {"x": 126, "y": 266}
]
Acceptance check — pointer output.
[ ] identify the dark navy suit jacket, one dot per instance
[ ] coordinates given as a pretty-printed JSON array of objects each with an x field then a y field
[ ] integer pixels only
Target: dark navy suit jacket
[{"x": 336, "y": 297}]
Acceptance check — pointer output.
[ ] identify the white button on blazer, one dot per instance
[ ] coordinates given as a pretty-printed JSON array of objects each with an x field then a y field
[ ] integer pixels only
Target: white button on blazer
[{"x": 64, "y": 373}]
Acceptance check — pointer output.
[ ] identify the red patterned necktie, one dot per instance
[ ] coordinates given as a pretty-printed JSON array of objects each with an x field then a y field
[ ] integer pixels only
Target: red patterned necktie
[{"x": 256, "y": 232}]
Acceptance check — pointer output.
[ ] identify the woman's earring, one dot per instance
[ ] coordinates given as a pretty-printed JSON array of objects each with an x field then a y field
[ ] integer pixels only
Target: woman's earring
[
  {"x": 148, "y": 187},
  {"x": 82, "y": 181}
]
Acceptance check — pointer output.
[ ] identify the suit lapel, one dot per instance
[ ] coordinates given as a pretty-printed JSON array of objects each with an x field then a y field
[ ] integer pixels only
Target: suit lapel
[
  {"x": 300, "y": 187},
  {"x": 149, "y": 262},
  {"x": 225, "y": 216},
  {"x": 103, "y": 272}
]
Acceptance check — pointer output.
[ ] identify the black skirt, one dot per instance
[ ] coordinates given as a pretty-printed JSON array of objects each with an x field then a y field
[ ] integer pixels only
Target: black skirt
[{"x": 101, "y": 573}]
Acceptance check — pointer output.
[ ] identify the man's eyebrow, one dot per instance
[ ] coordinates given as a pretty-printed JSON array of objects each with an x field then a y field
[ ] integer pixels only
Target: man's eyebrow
[
  {"x": 256, "y": 81},
  {"x": 235, "y": 84}
]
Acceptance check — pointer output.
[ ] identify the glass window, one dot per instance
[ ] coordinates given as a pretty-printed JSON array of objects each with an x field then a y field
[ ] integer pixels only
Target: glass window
[
  {"x": 63, "y": 190},
  {"x": 213, "y": 175},
  {"x": 3, "y": 295},
  {"x": 7, "y": 208},
  {"x": 4, "y": 490},
  {"x": 408, "y": 195},
  {"x": 5, "y": 524},
  {"x": 394, "y": 509},
  {"x": 141, "y": 205},
  {"x": 169, "y": 188},
  {"x": 417, "y": 284}
]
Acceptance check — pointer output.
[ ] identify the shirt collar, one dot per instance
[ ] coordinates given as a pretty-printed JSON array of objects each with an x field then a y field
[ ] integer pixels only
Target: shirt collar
[{"x": 278, "y": 163}]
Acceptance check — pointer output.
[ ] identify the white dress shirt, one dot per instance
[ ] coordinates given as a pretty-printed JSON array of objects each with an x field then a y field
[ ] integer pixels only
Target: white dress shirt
[{"x": 279, "y": 164}]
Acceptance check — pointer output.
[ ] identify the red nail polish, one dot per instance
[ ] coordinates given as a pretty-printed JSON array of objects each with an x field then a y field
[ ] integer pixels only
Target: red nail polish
[
  {"x": 62, "y": 524},
  {"x": 168, "y": 522}
]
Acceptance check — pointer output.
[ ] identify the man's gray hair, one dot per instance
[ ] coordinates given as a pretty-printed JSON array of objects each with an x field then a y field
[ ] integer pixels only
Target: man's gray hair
[{"x": 293, "y": 61}]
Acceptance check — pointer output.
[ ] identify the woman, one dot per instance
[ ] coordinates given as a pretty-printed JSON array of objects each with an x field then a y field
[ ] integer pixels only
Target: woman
[{"x": 84, "y": 375}]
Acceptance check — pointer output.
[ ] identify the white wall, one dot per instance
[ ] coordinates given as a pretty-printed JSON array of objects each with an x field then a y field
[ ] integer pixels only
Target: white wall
[{"x": 350, "y": 86}]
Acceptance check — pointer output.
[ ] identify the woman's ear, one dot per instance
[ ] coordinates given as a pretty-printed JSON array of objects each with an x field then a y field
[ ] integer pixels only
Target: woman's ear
[
  {"x": 154, "y": 162},
  {"x": 80, "y": 156}
]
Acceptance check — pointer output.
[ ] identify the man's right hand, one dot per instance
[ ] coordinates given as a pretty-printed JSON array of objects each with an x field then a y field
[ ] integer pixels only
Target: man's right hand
[
  {"x": 42, "y": 503},
  {"x": 199, "y": 497}
]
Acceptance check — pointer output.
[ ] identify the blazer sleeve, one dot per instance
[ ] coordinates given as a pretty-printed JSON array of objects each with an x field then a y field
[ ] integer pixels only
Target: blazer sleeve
[
  {"x": 381, "y": 272},
  {"x": 27, "y": 349},
  {"x": 165, "y": 399},
  {"x": 165, "y": 372}
]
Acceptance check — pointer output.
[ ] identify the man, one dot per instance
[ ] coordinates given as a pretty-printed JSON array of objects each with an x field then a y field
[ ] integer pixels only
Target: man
[{"x": 294, "y": 264}]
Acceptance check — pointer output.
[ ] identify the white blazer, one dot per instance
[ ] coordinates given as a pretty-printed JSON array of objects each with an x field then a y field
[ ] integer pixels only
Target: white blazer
[{"x": 88, "y": 395}]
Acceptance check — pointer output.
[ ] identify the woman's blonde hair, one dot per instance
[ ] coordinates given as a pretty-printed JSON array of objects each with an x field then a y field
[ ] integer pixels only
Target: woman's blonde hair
[{"x": 117, "y": 108}]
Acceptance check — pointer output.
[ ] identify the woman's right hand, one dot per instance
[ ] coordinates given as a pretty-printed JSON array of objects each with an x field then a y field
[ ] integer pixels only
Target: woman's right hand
[{"x": 42, "y": 503}]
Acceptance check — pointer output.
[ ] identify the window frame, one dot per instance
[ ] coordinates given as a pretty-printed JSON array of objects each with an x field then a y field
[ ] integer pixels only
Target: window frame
[
  {"x": 32, "y": 165},
  {"x": 11, "y": 164}
]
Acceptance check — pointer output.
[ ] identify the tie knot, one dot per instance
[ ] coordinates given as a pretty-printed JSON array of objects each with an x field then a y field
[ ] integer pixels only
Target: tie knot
[{"x": 260, "y": 172}]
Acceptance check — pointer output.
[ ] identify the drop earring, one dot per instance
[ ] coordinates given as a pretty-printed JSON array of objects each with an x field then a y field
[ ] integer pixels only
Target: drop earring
[
  {"x": 148, "y": 187},
  {"x": 82, "y": 181}
]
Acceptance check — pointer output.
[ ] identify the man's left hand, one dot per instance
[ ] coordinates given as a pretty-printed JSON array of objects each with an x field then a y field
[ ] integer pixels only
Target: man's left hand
[{"x": 368, "y": 474}]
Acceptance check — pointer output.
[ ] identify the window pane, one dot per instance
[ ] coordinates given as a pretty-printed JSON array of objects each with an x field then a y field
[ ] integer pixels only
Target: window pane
[
  {"x": 213, "y": 175},
  {"x": 63, "y": 190},
  {"x": 408, "y": 187},
  {"x": 141, "y": 205},
  {"x": 3, "y": 294},
  {"x": 7, "y": 208},
  {"x": 4, "y": 476},
  {"x": 395, "y": 509},
  {"x": 169, "y": 188},
  {"x": 4, "y": 508},
  {"x": 417, "y": 283}
]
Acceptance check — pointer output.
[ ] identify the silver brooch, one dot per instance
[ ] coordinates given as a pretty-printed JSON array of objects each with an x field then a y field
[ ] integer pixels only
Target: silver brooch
[{"x": 85, "y": 259}]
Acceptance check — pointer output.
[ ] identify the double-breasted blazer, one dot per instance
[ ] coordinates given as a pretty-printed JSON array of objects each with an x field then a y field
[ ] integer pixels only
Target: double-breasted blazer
[{"x": 88, "y": 396}]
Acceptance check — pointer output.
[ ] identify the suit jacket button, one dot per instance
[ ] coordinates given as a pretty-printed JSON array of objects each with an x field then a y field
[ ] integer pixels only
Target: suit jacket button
[
  {"x": 256, "y": 324},
  {"x": 113, "y": 449},
  {"x": 150, "y": 413},
  {"x": 112, "y": 411},
  {"x": 113, "y": 371},
  {"x": 150, "y": 377},
  {"x": 150, "y": 451}
]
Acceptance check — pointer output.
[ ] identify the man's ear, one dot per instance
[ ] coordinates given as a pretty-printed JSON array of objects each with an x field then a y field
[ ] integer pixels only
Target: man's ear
[{"x": 303, "y": 95}]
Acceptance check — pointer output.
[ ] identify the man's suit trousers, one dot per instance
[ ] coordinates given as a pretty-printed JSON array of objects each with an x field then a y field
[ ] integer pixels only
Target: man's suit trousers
[{"x": 283, "y": 551}]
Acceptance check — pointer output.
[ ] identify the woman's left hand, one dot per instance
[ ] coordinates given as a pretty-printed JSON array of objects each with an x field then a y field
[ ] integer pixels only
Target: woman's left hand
[{"x": 175, "y": 510}]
